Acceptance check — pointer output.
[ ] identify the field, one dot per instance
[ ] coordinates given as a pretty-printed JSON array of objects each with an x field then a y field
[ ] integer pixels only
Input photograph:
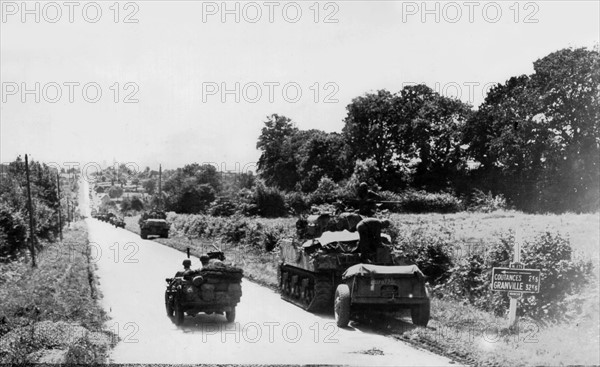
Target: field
[
  {"x": 50, "y": 314},
  {"x": 456, "y": 329}
]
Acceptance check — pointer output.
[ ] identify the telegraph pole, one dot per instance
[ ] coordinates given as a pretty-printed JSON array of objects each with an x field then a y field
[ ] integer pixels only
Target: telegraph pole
[
  {"x": 31, "y": 221},
  {"x": 59, "y": 208},
  {"x": 159, "y": 186}
]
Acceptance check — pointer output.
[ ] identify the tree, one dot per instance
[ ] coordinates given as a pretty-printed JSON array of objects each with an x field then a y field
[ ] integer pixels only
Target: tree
[
  {"x": 537, "y": 137},
  {"x": 414, "y": 128},
  {"x": 276, "y": 164},
  {"x": 149, "y": 186},
  {"x": 322, "y": 154},
  {"x": 371, "y": 130},
  {"x": 115, "y": 192},
  {"x": 137, "y": 204}
]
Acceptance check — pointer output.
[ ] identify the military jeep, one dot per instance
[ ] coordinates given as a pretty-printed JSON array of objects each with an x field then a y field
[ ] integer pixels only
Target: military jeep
[{"x": 367, "y": 288}]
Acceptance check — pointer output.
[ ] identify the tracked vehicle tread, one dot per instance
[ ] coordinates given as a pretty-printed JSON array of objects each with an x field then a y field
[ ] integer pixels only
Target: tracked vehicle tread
[{"x": 310, "y": 291}]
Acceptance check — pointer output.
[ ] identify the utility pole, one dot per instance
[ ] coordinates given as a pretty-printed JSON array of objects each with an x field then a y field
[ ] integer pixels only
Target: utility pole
[
  {"x": 159, "y": 186},
  {"x": 31, "y": 221},
  {"x": 59, "y": 208}
]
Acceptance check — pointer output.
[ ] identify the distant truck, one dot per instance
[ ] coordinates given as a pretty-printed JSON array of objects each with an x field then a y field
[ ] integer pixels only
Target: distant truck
[{"x": 154, "y": 223}]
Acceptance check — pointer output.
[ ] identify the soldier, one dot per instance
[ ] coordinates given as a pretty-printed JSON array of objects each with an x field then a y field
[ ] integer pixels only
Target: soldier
[
  {"x": 187, "y": 264},
  {"x": 369, "y": 230},
  {"x": 366, "y": 200}
]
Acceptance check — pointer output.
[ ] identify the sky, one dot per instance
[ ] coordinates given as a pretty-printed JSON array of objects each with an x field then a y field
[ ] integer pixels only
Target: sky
[{"x": 175, "y": 82}]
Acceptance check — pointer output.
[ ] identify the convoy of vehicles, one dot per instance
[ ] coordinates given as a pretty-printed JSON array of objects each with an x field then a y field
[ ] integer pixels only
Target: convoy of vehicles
[
  {"x": 326, "y": 274},
  {"x": 319, "y": 270}
]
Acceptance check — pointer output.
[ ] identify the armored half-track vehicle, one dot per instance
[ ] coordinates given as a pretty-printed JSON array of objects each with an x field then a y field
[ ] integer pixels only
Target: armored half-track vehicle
[
  {"x": 216, "y": 288},
  {"x": 312, "y": 269},
  {"x": 154, "y": 223}
]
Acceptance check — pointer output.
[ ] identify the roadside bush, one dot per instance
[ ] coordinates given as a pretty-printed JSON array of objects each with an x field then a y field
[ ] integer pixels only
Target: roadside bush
[
  {"x": 13, "y": 231},
  {"x": 562, "y": 278},
  {"x": 269, "y": 201},
  {"x": 325, "y": 193},
  {"x": 482, "y": 202},
  {"x": 223, "y": 207},
  {"x": 431, "y": 254},
  {"x": 427, "y": 202},
  {"x": 297, "y": 202}
]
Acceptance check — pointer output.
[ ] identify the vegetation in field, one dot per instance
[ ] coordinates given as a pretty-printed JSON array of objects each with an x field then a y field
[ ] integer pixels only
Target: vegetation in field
[
  {"x": 457, "y": 252},
  {"x": 532, "y": 145},
  {"x": 50, "y": 314},
  {"x": 14, "y": 217}
]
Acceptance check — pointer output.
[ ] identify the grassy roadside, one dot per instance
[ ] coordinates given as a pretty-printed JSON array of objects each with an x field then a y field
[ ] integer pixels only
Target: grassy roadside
[
  {"x": 459, "y": 330},
  {"x": 50, "y": 314}
]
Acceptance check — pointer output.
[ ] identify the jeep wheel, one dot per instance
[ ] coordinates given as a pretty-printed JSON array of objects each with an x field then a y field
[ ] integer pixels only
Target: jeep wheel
[
  {"x": 178, "y": 314},
  {"x": 144, "y": 235},
  {"x": 420, "y": 314},
  {"x": 341, "y": 305},
  {"x": 230, "y": 315},
  {"x": 169, "y": 305}
]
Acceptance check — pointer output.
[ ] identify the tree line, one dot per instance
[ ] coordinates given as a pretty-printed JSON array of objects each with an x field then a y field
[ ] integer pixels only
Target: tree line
[
  {"x": 14, "y": 225},
  {"x": 535, "y": 140}
]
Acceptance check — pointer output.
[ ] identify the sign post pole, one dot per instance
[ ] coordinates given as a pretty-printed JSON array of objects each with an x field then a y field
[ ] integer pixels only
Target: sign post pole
[{"x": 512, "y": 311}]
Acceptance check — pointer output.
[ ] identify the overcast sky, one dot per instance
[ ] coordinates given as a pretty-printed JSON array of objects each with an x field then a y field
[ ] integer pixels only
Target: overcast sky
[{"x": 174, "y": 63}]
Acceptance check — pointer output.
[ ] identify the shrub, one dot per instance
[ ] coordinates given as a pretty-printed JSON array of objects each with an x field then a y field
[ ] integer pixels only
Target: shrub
[
  {"x": 297, "y": 202},
  {"x": 562, "y": 277},
  {"x": 430, "y": 254},
  {"x": 426, "y": 202},
  {"x": 269, "y": 201},
  {"x": 223, "y": 207},
  {"x": 325, "y": 193},
  {"x": 486, "y": 203},
  {"x": 13, "y": 230}
]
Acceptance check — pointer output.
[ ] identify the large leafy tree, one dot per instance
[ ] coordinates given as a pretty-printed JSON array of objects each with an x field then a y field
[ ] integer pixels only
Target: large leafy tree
[
  {"x": 294, "y": 159},
  {"x": 276, "y": 164},
  {"x": 372, "y": 128},
  {"x": 414, "y": 129},
  {"x": 537, "y": 137},
  {"x": 192, "y": 188}
]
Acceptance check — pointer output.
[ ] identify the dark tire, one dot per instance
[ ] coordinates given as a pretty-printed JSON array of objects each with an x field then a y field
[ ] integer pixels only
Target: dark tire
[
  {"x": 169, "y": 306},
  {"x": 178, "y": 314},
  {"x": 341, "y": 305},
  {"x": 420, "y": 314},
  {"x": 144, "y": 235},
  {"x": 230, "y": 315}
]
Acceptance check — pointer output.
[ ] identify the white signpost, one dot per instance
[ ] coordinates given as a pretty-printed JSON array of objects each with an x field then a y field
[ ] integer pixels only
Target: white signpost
[{"x": 515, "y": 280}]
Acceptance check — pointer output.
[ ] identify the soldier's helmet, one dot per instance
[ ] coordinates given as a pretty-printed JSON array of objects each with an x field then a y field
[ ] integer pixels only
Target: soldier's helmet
[{"x": 187, "y": 263}]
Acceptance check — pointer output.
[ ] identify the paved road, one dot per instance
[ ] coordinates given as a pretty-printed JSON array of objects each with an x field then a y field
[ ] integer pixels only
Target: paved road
[{"x": 267, "y": 330}]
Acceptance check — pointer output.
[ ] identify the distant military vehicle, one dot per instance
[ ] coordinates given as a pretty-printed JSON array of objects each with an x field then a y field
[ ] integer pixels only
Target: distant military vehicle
[
  {"x": 154, "y": 223},
  {"x": 117, "y": 222},
  {"x": 324, "y": 273},
  {"x": 216, "y": 288}
]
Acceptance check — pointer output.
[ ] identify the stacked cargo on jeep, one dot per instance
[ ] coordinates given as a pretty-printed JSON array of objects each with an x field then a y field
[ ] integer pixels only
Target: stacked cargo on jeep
[{"x": 216, "y": 288}]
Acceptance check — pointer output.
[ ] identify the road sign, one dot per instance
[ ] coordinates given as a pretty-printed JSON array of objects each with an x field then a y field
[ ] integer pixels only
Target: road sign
[
  {"x": 515, "y": 295},
  {"x": 516, "y": 280}
]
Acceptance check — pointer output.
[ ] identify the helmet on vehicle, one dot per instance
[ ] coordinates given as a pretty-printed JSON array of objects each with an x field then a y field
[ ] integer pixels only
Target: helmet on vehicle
[{"x": 187, "y": 263}]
